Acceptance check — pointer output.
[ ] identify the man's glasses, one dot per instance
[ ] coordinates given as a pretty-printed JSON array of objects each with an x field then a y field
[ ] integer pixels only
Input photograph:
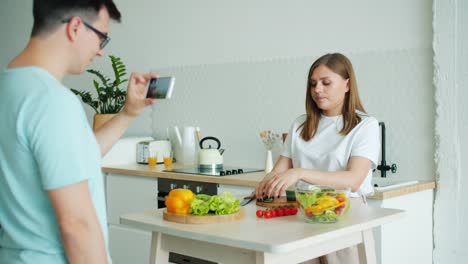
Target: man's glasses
[{"x": 104, "y": 38}]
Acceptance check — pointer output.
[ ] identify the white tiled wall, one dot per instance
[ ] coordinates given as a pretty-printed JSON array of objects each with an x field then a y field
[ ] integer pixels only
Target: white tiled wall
[{"x": 234, "y": 101}]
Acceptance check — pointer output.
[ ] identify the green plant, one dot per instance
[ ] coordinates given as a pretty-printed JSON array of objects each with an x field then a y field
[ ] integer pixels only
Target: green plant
[{"x": 110, "y": 98}]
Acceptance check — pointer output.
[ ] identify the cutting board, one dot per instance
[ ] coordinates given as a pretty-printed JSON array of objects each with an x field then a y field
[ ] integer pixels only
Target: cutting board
[
  {"x": 203, "y": 219},
  {"x": 282, "y": 201}
]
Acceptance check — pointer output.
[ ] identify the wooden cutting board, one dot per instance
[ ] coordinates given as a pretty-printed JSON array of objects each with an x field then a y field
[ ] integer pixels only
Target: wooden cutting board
[
  {"x": 282, "y": 201},
  {"x": 203, "y": 219}
]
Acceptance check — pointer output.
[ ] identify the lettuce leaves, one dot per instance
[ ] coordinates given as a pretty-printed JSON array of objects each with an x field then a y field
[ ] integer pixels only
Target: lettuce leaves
[
  {"x": 222, "y": 204},
  {"x": 307, "y": 199}
]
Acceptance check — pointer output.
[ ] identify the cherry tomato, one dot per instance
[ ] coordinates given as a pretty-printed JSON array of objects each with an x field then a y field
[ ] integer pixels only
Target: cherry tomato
[
  {"x": 340, "y": 199},
  {"x": 338, "y": 211},
  {"x": 294, "y": 211},
  {"x": 287, "y": 211},
  {"x": 280, "y": 211},
  {"x": 273, "y": 213},
  {"x": 259, "y": 213},
  {"x": 267, "y": 214}
]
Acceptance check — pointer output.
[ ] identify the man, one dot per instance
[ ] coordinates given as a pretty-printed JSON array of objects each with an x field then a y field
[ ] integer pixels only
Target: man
[{"x": 52, "y": 207}]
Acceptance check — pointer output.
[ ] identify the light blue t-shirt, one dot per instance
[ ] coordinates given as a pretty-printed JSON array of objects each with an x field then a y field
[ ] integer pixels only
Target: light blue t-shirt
[{"x": 45, "y": 144}]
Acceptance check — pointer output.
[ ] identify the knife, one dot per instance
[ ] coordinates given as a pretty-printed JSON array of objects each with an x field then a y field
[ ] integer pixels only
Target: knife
[{"x": 248, "y": 199}]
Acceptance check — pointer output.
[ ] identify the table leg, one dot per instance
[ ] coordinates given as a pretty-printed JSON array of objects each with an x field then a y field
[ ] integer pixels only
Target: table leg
[
  {"x": 158, "y": 254},
  {"x": 259, "y": 258},
  {"x": 367, "y": 248}
]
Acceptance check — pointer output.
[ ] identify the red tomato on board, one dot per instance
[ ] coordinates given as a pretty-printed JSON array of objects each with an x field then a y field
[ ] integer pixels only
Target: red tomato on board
[
  {"x": 273, "y": 213},
  {"x": 259, "y": 213},
  {"x": 280, "y": 212}
]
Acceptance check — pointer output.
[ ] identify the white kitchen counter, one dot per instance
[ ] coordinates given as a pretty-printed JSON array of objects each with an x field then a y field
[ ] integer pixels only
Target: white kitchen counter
[
  {"x": 253, "y": 240},
  {"x": 246, "y": 179}
]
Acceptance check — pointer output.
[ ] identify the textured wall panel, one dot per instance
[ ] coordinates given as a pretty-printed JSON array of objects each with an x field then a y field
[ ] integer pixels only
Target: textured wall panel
[
  {"x": 462, "y": 110},
  {"x": 450, "y": 79},
  {"x": 178, "y": 32},
  {"x": 234, "y": 101}
]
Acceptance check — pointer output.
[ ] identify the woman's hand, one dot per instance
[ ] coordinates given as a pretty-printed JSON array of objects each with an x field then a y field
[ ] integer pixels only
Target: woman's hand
[
  {"x": 260, "y": 192},
  {"x": 281, "y": 166},
  {"x": 278, "y": 183},
  {"x": 136, "y": 100}
]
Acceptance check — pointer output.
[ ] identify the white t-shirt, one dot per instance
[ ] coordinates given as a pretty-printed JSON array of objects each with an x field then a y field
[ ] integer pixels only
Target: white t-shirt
[{"x": 328, "y": 150}]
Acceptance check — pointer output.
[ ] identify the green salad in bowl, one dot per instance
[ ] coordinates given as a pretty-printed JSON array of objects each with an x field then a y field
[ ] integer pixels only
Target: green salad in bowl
[{"x": 321, "y": 204}]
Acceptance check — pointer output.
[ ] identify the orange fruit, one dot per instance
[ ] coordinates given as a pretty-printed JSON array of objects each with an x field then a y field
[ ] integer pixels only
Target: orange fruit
[
  {"x": 178, "y": 201},
  {"x": 185, "y": 194}
]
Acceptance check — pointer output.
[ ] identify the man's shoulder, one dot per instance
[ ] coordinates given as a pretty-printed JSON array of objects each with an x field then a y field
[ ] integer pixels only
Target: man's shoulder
[
  {"x": 35, "y": 94},
  {"x": 40, "y": 86},
  {"x": 31, "y": 80}
]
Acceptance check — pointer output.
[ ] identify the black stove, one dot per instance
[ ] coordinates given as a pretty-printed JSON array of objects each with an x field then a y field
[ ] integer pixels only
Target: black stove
[{"x": 224, "y": 171}]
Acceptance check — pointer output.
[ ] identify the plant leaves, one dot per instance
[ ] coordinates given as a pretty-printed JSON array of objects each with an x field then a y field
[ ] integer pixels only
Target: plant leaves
[
  {"x": 87, "y": 99},
  {"x": 110, "y": 97}
]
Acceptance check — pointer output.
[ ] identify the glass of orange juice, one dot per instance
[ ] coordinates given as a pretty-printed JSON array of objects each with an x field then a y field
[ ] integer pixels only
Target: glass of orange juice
[
  {"x": 167, "y": 159},
  {"x": 152, "y": 159}
]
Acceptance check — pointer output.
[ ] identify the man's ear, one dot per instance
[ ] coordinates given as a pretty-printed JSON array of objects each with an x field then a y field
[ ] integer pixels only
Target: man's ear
[{"x": 73, "y": 27}]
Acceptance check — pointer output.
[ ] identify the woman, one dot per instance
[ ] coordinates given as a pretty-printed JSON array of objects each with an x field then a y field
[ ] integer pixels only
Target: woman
[{"x": 334, "y": 144}]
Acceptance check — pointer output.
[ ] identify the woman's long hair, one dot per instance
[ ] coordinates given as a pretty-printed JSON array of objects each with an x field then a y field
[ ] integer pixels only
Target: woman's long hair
[{"x": 339, "y": 64}]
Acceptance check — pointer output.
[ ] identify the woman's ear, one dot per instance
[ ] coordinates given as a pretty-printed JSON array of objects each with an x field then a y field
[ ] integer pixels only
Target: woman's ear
[{"x": 347, "y": 85}]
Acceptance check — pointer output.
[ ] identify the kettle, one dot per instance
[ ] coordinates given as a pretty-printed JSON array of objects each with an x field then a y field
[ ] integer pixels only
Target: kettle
[
  {"x": 210, "y": 158},
  {"x": 185, "y": 144}
]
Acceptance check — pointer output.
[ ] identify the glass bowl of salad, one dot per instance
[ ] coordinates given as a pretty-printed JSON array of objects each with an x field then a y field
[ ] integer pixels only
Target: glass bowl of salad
[{"x": 322, "y": 204}]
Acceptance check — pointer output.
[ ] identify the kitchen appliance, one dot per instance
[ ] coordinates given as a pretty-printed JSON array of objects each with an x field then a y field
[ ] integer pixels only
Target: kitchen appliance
[
  {"x": 224, "y": 171},
  {"x": 158, "y": 147},
  {"x": 189, "y": 146},
  {"x": 123, "y": 152},
  {"x": 210, "y": 158}
]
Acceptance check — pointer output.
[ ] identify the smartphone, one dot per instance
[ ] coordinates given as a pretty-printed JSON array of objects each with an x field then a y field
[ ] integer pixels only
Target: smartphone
[{"x": 160, "y": 88}]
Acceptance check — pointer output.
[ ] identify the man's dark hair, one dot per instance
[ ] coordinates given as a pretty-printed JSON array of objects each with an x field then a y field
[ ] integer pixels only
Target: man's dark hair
[{"x": 49, "y": 14}]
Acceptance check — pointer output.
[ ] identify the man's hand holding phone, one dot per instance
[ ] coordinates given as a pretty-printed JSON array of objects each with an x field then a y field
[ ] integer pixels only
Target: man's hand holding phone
[
  {"x": 160, "y": 88},
  {"x": 136, "y": 100}
]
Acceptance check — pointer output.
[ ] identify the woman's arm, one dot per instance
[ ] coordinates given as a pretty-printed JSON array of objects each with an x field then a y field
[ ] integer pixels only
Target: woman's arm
[
  {"x": 281, "y": 165},
  {"x": 352, "y": 177}
]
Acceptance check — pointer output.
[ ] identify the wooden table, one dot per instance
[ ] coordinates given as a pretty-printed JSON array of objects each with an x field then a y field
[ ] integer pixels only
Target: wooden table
[{"x": 252, "y": 240}]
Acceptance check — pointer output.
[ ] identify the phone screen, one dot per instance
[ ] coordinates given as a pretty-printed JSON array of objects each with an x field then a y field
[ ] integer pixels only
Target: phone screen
[{"x": 160, "y": 88}]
